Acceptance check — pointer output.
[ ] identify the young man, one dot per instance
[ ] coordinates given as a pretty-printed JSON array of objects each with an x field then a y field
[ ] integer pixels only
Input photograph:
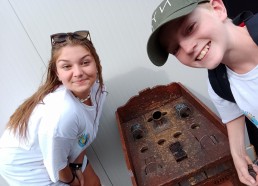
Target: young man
[{"x": 200, "y": 35}]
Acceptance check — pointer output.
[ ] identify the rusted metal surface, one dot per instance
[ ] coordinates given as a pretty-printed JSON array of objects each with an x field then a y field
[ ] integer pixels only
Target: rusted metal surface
[{"x": 170, "y": 138}]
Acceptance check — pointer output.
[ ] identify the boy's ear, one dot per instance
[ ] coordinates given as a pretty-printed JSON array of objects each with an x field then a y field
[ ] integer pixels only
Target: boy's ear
[{"x": 219, "y": 8}]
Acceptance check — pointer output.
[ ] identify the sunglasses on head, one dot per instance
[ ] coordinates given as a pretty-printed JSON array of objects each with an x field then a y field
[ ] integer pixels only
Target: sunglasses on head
[{"x": 62, "y": 37}]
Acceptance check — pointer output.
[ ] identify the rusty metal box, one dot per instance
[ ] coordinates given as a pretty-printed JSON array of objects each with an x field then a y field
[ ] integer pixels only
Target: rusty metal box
[{"x": 169, "y": 137}]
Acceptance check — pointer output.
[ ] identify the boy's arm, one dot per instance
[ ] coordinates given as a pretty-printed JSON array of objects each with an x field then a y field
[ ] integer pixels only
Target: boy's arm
[{"x": 236, "y": 135}]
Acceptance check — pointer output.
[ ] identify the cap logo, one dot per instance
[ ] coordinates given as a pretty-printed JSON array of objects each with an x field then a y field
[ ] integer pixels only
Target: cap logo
[{"x": 161, "y": 9}]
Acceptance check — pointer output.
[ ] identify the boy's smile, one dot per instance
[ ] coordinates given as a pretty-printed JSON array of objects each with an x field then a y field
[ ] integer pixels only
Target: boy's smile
[{"x": 203, "y": 52}]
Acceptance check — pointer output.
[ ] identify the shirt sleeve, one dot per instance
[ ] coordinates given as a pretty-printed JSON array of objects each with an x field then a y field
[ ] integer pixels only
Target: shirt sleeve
[
  {"x": 55, "y": 152},
  {"x": 227, "y": 110},
  {"x": 57, "y": 133}
]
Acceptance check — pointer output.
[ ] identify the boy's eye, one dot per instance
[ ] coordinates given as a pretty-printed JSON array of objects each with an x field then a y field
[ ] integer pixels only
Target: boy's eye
[{"x": 190, "y": 28}]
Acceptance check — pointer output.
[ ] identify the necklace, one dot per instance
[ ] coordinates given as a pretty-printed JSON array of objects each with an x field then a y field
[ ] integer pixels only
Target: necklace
[{"x": 83, "y": 100}]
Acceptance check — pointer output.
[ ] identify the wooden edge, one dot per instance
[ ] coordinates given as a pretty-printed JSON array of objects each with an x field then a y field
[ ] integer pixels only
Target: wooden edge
[
  {"x": 169, "y": 92},
  {"x": 140, "y": 93},
  {"x": 128, "y": 162},
  {"x": 205, "y": 110}
]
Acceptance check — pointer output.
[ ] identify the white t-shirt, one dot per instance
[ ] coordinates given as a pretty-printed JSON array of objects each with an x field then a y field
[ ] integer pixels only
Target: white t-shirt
[
  {"x": 244, "y": 88},
  {"x": 59, "y": 129}
]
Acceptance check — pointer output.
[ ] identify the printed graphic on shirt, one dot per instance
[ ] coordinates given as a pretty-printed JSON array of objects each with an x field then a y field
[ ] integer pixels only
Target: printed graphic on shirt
[
  {"x": 251, "y": 118},
  {"x": 83, "y": 139}
]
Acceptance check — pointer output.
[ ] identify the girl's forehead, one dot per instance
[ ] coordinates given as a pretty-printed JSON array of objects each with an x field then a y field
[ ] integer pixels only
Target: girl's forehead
[{"x": 73, "y": 50}]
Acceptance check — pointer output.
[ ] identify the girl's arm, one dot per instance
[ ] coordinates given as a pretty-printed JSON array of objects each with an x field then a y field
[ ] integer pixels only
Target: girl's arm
[
  {"x": 79, "y": 160},
  {"x": 67, "y": 176}
]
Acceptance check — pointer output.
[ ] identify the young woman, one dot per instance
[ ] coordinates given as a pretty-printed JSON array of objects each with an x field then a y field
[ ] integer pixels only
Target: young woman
[{"x": 45, "y": 139}]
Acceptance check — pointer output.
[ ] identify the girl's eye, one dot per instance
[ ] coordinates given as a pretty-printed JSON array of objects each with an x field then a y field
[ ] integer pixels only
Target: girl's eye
[
  {"x": 85, "y": 62},
  {"x": 66, "y": 67}
]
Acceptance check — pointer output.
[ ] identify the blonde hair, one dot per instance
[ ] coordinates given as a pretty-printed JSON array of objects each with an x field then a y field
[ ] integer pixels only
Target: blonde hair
[
  {"x": 206, "y": 5},
  {"x": 18, "y": 122}
]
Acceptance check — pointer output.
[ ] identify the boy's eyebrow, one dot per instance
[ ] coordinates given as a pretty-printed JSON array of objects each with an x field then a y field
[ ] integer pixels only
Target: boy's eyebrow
[
  {"x": 184, "y": 19},
  {"x": 180, "y": 21},
  {"x": 178, "y": 25}
]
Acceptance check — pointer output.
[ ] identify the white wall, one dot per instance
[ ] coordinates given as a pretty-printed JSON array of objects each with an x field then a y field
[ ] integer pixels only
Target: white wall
[{"x": 119, "y": 30}]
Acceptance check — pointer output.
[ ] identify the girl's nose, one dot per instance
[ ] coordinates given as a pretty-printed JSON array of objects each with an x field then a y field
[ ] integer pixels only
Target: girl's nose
[{"x": 77, "y": 71}]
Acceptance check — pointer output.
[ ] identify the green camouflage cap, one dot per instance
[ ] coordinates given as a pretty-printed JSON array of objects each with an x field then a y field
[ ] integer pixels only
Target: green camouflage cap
[{"x": 168, "y": 10}]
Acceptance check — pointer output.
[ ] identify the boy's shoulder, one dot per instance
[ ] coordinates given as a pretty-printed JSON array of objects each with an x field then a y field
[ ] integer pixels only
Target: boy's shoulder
[
  {"x": 218, "y": 77},
  {"x": 249, "y": 20}
]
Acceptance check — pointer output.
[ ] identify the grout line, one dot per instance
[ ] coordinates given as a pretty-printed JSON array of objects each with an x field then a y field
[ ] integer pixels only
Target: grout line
[
  {"x": 27, "y": 33},
  {"x": 101, "y": 164}
]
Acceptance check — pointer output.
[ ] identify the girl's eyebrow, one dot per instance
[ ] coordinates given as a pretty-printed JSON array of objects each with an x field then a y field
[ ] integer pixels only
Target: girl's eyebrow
[
  {"x": 87, "y": 55},
  {"x": 65, "y": 60}
]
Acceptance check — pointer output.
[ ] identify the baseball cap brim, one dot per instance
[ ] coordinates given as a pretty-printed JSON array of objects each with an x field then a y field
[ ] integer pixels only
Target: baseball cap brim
[{"x": 156, "y": 53}]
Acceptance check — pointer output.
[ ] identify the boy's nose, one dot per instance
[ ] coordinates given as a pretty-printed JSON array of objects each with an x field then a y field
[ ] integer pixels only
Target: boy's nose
[{"x": 188, "y": 45}]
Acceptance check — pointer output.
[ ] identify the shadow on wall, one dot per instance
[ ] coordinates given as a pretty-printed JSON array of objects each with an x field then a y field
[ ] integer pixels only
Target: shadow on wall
[{"x": 127, "y": 85}]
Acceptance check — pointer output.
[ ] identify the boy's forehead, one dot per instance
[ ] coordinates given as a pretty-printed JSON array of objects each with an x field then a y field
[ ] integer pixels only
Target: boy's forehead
[
  {"x": 172, "y": 26},
  {"x": 168, "y": 33}
]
